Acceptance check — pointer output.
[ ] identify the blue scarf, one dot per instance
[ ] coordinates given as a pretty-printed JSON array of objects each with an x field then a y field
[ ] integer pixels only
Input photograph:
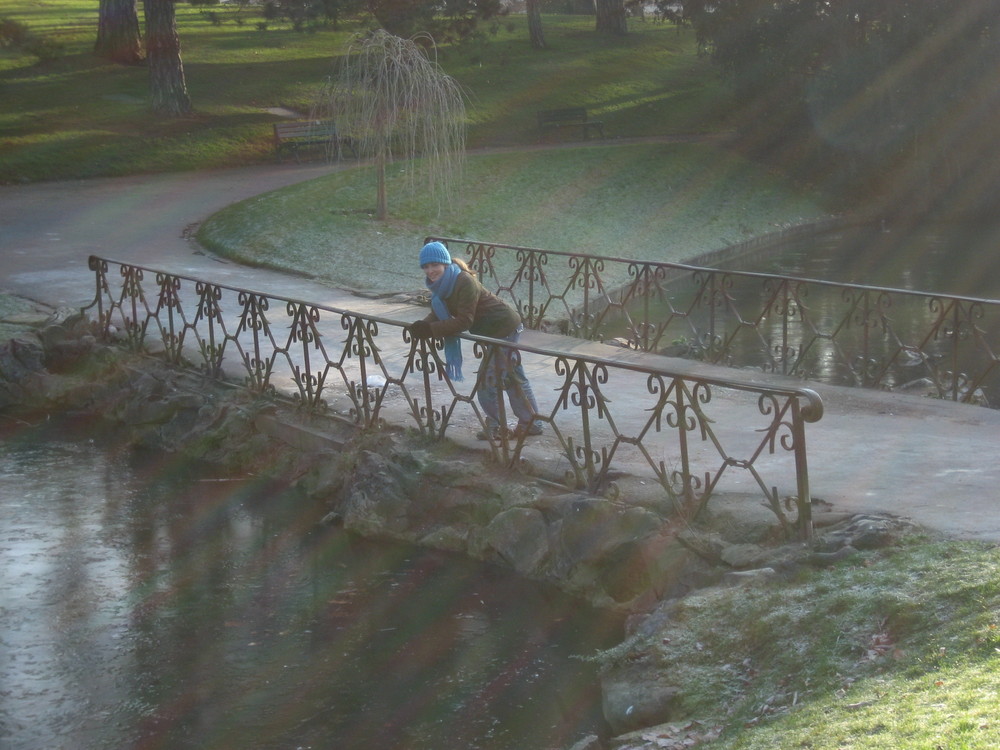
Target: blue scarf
[{"x": 440, "y": 291}]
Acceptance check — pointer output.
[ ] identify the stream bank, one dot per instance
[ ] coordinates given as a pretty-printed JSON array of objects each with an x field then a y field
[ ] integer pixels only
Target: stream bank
[{"x": 624, "y": 554}]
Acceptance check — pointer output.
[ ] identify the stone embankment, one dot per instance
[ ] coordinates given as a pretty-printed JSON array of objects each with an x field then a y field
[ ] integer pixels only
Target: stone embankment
[{"x": 399, "y": 485}]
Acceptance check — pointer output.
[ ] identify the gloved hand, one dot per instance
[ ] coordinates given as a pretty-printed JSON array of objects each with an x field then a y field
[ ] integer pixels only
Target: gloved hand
[{"x": 421, "y": 330}]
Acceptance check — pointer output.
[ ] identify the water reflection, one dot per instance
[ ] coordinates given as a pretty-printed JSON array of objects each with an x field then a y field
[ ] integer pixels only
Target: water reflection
[
  {"x": 835, "y": 333},
  {"x": 909, "y": 343},
  {"x": 944, "y": 258},
  {"x": 147, "y": 605}
]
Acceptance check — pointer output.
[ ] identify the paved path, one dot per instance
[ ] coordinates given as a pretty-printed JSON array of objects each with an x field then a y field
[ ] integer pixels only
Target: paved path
[{"x": 930, "y": 461}]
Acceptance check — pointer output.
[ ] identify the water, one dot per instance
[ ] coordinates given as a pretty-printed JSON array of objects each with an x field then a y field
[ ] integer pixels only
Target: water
[
  {"x": 953, "y": 258},
  {"x": 944, "y": 258},
  {"x": 906, "y": 343},
  {"x": 144, "y": 603}
]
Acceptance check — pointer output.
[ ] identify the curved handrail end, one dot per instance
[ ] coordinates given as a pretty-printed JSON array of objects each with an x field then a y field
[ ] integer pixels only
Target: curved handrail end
[{"x": 812, "y": 410}]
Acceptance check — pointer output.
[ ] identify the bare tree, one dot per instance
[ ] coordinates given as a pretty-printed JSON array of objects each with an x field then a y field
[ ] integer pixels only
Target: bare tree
[
  {"x": 397, "y": 103},
  {"x": 167, "y": 87},
  {"x": 118, "y": 37}
]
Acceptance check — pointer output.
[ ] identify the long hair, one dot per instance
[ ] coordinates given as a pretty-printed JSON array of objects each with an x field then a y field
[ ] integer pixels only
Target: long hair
[{"x": 463, "y": 265}]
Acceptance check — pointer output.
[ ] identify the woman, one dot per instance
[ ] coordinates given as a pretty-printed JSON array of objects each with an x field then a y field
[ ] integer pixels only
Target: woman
[{"x": 460, "y": 303}]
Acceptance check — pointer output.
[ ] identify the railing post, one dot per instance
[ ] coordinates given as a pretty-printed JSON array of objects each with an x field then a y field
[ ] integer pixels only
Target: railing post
[
  {"x": 866, "y": 324},
  {"x": 132, "y": 288},
  {"x": 713, "y": 301},
  {"x": 803, "y": 499},
  {"x": 100, "y": 268},
  {"x": 956, "y": 324},
  {"x": 209, "y": 296},
  {"x": 533, "y": 275},
  {"x": 786, "y": 310},
  {"x": 360, "y": 343},
  {"x": 685, "y": 423},
  {"x": 167, "y": 300}
]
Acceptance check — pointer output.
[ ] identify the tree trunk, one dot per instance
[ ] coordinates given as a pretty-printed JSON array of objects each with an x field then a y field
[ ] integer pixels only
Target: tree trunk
[
  {"x": 167, "y": 89},
  {"x": 535, "y": 24},
  {"x": 382, "y": 202},
  {"x": 118, "y": 37},
  {"x": 610, "y": 16}
]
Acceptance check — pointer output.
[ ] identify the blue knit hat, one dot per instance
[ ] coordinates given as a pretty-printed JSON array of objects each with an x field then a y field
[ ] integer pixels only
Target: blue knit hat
[{"x": 434, "y": 252}]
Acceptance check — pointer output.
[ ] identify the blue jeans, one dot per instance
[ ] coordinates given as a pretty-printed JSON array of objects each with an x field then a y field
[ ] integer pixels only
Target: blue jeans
[{"x": 515, "y": 384}]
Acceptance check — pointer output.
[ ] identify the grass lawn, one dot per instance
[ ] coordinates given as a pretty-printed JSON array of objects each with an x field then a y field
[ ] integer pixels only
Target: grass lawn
[
  {"x": 896, "y": 648},
  {"x": 652, "y": 201},
  {"x": 77, "y": 116}
]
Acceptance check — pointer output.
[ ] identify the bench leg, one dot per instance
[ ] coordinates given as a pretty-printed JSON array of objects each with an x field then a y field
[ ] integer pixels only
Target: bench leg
[
  {"x": 283, "y": 152},
  {"x": 282, "y": 148}
]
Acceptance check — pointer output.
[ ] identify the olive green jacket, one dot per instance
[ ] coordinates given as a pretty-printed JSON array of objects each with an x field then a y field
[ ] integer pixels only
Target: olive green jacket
[{"x": 476, "y": 310}]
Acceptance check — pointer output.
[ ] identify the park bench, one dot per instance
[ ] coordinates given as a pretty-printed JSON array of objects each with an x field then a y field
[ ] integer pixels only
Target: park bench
[
  {"x": 569, "y": 117},
  {"x": 295, "y": 134}
]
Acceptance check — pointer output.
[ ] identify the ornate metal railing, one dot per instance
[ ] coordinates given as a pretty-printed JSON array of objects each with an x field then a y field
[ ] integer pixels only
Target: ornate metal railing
[
  {"x": 690, "y": 431},
  {"x": 846, "y": 334}
]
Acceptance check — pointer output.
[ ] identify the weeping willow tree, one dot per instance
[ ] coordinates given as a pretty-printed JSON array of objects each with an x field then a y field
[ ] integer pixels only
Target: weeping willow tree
[{"x": 396, "y": 103}]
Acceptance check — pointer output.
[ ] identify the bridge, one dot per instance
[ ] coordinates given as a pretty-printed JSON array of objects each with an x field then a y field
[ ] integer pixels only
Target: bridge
[
  {"x": 611, "y": 414},
  {"x": 630, "y": 417}
]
